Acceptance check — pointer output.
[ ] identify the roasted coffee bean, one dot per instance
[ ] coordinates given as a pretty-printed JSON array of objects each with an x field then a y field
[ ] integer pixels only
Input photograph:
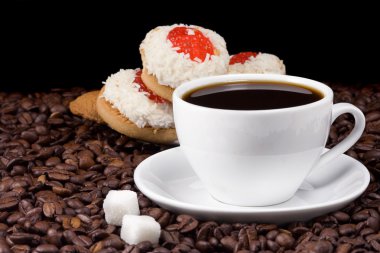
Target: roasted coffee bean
[
  {"x": 41, "y": 227},
  {"x": 69, "y": 235},
  {"x": 24, "y": 238},
  {"x": 328, "y": 234},
  {"x": 341, "y": 216},
  {"x": 131, "y": 249},
  {"x": 203, "y": 246},
  {"x": 265, "y": 228},
  {"x": 315, "y": 246},
  {"x": 206, "y": 230},
  {"x": 347, "y": 229},
  {"x": 271, "y": 235},
  {"x": 273, "y": 246},
  {"x": 170, "y": 237},
  {"x": 46, "y": 248},
  {"x": 82, "y": 240},
  {"x": 343, "y": 248},
  {"x": 186, "y": 223},
  {"x": 114, "y": 242},
  {"x": 98, "y": 234},
  {"x": 21, "y": 249},
  {"x": 145, "y": 246},
  {"x": 7, "y": 203},
  {"x": 4, "y": 247},
  {"x": 228, "y": 243},
  {"x": 74, "y": 203},
  {"x": 285, "y": 240}
]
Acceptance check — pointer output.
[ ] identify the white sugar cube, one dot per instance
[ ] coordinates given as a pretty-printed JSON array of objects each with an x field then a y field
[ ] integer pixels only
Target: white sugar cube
[
  {"x": 119, "y": 203},
  {"x": 136, "y": 229}
]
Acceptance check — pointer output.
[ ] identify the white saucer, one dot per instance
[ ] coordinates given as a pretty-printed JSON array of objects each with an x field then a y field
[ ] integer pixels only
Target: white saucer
[{"x": 167, "y": 179}]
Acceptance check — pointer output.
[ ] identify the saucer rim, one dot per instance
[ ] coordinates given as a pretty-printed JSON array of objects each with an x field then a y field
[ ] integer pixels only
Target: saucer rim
[{"x": 161, "y": 200}]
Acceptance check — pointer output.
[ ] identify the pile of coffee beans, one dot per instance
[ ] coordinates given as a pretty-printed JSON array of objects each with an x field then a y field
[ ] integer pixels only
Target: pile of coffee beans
[{"x": 56, "y": 169}]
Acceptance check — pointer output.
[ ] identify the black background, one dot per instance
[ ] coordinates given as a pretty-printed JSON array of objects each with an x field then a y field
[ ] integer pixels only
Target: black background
[{"x": 46, "y": 44}]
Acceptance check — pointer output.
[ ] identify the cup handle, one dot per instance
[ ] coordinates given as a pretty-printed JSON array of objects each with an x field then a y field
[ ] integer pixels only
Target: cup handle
[{"x": 350, "y": 140}]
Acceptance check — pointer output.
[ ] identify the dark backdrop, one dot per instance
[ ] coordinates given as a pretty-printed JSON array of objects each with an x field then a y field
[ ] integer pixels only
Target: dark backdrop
[{"x": 61, "y": 43}]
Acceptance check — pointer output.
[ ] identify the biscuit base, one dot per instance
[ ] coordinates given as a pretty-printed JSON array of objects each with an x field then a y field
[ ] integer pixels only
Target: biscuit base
[
  {"x": 123, "y": 125},
  {"x": 85, "y": 106},
  {"x": 151, "y": 82}
]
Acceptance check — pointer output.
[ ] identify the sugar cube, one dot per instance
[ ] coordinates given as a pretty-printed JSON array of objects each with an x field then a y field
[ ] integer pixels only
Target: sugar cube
[
  {"x": 136, "y": 229},
  {"x": 119, "y": 203}
]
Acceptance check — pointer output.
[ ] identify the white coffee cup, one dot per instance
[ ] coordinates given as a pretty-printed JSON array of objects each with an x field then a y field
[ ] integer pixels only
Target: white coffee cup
[{"x": 259, "y": 157}]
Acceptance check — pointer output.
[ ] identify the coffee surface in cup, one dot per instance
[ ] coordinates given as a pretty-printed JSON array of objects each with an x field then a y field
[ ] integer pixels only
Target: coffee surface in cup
[{"x": 252, "y": 95}]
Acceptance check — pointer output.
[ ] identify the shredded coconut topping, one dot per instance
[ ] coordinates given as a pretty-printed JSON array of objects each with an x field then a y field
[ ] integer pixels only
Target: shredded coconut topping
[
  {"x": 172, "y": 68},
  {"x": 123, "y": 93},
  {"x": 190, "y": 32},
  {"x": 261, "y": 64}
]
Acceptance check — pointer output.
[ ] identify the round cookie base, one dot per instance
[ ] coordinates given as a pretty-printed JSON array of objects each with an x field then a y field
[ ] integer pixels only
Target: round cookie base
[
  {"x": 85, "y": 106},
  {"x": 151, "y": 82},
  {"x": 123, "y": 125}
]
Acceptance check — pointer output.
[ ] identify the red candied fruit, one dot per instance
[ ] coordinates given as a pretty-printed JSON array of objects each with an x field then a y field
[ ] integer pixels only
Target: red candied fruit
[
  {"x": 242, "y": 57},
  {"x": 155, "y": 98},
  {"x": 191, "y": 41}
]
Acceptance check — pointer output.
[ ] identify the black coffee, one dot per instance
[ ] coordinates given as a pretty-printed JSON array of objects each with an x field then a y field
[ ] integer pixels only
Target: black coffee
[{"x": 252, "y": 96}]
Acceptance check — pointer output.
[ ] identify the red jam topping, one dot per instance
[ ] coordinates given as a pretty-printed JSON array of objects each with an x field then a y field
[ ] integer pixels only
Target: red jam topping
[
  {"x": 242, "y": 57},
  {"x": 155, "y": 98},
  {"x": 191, "y": 41}
]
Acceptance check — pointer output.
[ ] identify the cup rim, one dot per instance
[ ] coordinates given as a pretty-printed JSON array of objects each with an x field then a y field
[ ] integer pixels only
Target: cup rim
[{"x": 206, "y": 81}]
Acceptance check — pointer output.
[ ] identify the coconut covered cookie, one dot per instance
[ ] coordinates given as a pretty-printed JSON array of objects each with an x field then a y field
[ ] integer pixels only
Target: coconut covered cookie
[
  {"x": 253, "y": 62},
  {"x": 172, "y": 55},
  {"x": 129, "y": 107}
]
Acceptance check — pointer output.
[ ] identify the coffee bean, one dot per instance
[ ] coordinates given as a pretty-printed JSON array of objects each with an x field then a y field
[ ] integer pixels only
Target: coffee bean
[
  {"x": 82, "y": 240},
  {"x": 206, "y": 230},
  {"x": 25, "y": 118},
  {"x": 342, "y": 217},
  {"x": 357, "y": 241},
  {"x": 146, "y": 246},
  {"x": 186, "y": 223},
  {"x": 29, "y": 136},
  {"x": 85, "y": 159},
  {"x": 74, "y": 203},
  {"x": 265, "y": 228},
  {"x": 41, "y": 227},
  {"x": 315, "y": 246},
  {"x": 131, "y": 249},
  {"x": 4, "y": 247},
  {"x": 285, "y": 240},
  {"x": 58, "y": 108},
  {"x": 170, "y": 237},
  {"x": 328, "y": 234},
  {"x": 228, "y": 243},
  {"x": 21, "y": 248},
  {"x": 46, "y": 248},
  {"x": 14, "y": 217},
  {"x": 114, "y": 242},
  {"x": 7, "y": 203},
  {"x": 24, "y": 238},
  {"x": 69, "y": 235},
  {"x": 59, "y": 175},
  {"x": 6, "y": 184},
  {"x": 68, "y": 249},
  {"x": 273, "y": 246},
  {"x": 203, "y": 246},
  {"x": 347, "y": 229},
  {"x": 52, "y": 208},
  {"x": 375, "y": 245},
  {"x": 98, "y": 234}
]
